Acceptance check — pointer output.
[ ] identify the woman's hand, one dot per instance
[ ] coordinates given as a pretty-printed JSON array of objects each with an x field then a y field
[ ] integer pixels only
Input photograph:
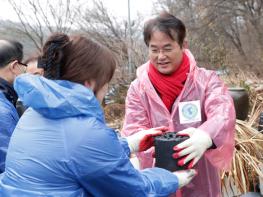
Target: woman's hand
[
  {"x": 144, "y": 139},
  {"x": 185, "y": 176}
]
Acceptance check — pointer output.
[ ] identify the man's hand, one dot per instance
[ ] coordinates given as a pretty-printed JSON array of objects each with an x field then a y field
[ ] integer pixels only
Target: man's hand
[{"x": 192, "y": 148}]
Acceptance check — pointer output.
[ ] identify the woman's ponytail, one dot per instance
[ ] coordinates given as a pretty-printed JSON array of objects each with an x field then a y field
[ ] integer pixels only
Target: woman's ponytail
[{"x": 52, "y": 55}]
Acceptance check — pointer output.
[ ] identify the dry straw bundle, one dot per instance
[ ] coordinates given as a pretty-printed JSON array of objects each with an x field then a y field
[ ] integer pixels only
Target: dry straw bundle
[{"x": 248, "y": 155}]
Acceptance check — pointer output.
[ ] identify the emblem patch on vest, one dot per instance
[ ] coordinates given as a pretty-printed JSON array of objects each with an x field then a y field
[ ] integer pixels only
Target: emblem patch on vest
[{"x": 189, "y": 112}]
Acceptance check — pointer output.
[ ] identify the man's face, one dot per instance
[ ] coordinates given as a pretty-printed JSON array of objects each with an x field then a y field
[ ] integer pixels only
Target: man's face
[{"x": 164, "y": 53}]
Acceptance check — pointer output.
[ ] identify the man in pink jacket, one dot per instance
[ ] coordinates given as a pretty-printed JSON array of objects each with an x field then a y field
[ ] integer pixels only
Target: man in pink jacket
[{"x": 170, "y": 90}]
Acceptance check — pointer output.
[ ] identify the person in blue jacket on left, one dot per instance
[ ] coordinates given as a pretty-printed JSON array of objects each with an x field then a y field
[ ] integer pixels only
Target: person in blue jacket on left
[
  {"x": 11, "y": 55},
  {"x": 61, "y": 145}
]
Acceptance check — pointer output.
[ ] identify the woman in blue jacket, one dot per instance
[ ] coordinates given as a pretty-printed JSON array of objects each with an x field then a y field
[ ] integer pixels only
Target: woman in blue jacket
[{"x": 62, "y": 146}]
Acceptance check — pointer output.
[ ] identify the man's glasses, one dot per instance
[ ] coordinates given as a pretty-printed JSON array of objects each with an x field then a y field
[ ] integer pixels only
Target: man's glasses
[
  {"x": 22, "y": 64},
  {"x": 164, "y": 51},
  {"x": 24, "y": 67}
]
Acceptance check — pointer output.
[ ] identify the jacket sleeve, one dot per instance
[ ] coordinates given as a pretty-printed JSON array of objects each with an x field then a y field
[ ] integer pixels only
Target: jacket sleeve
[
  {"x": 103, "y": 168},
  {"x": 136, "y": 117},
  {"x": 220, "y": 122},
  {"x": 125, "y": 146},
  {"x": 8, "y": 121}
]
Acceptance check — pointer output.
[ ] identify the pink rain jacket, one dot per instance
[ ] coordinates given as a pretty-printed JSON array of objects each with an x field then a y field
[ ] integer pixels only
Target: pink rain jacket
[{"x": 145, "y": 109}]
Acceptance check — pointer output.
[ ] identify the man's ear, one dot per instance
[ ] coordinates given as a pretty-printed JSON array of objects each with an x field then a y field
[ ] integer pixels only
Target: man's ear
[{"x": 12, "y": 66}]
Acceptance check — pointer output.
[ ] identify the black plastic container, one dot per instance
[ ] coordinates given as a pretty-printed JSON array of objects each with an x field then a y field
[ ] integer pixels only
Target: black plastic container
[{"x": 164, "y": 151}]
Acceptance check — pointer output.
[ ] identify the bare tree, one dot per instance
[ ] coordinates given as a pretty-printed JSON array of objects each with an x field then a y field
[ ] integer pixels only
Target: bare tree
[
  {"x": 39, "y": 18},
  {"x": 99, "y": 24},
  {"x": 241, "y": 23}
]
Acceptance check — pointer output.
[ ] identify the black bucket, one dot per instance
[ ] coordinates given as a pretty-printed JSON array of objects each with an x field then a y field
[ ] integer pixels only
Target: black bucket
[{"x": 164, "y": 150}]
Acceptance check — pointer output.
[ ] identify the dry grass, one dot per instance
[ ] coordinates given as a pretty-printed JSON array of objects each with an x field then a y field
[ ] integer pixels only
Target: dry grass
[
  {"x": 114, "y": 114},
  {"x": 248, "y": 152}
]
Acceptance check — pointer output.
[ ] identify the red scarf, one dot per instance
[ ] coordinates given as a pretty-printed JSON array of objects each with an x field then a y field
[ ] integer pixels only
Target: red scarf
[{"x": 170, "y": 86}]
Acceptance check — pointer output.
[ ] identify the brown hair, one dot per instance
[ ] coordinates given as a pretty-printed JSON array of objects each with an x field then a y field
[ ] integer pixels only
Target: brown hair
[
  {"x": 77, "y": 59},
  {"x": 168, "y": 24}
]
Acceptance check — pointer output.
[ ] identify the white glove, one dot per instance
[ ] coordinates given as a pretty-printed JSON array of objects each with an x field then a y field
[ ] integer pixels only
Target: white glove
[
  {"x": 185, "y": 176},
  {"x": 192, "y": 148},
  {"x": 144, "y": 139}
]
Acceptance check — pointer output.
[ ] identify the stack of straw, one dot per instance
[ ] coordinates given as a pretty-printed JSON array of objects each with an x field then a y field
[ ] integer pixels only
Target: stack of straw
[{"x": 248, "y": 152}]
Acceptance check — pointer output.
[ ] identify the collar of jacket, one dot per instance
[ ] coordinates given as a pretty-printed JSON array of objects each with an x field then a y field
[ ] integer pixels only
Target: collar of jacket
[
  {"x": 8, "y": 91},
  {"x": 56, "y": 99}
]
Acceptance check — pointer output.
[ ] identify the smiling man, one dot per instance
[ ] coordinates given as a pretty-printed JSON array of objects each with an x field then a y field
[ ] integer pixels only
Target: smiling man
[{"x": 171, "y": 90}]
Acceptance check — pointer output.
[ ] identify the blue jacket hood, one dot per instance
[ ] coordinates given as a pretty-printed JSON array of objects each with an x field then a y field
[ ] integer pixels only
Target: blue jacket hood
[{"x": 57, "y": 98}]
